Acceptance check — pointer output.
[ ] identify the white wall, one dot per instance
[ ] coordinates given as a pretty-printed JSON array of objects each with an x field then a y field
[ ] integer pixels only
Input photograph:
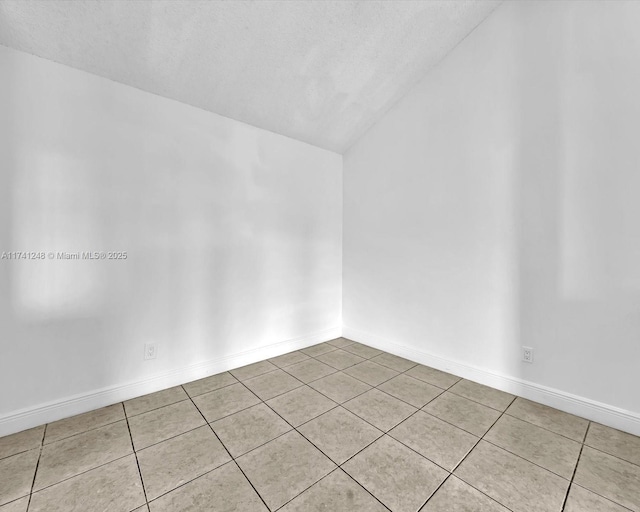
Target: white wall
[
  {"x": 233, "y": 237},
  {"x": 497, "y": 205}
]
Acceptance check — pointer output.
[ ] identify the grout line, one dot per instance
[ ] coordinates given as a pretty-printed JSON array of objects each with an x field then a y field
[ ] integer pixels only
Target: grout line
[
  {"x": 144, "y": 491},
  {"x": 228, "y": 453},
  {"x": 35, "y": 473}
]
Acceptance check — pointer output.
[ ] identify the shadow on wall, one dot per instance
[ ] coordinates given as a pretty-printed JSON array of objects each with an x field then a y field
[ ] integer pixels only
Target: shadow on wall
[
  {"x": 224, "y": 226},
  {"x": 577, "y": 199}
]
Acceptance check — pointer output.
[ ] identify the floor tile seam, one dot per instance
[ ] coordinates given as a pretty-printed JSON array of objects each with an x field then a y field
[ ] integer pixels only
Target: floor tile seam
[
  {"x": 391, "y": 368},
  {"x": 189, "y": 481},
  {"x": 82, "y": 473},
  {"x": 144, "y": 490},
  {"x": 379, "y": 384},
  {"x": 453, "y": 472},
  {"x": 402, "y": 400},
  {"x": 173, "y": 436},
  {"x": 309, "y": 420},
  {"x": 131, "y": 416},
  {"x": 34, "y": 448},
  {"x": 418, "y": 453},
  {"x": 275, "y": 396},
  {"x": 365, "y": 358},
  {"x": 612, "y": 455},
  {"x": 345, "y": 367},
  {"x": 483, "y": 405},
  {"x": 435, "y": 491},
  {"x": 600, "y": 495},
  {"x": 502, "y": 411},
  {"x": 33, "y": 480},
  {"x": 573, "y": 475},
  {"x": 568, "y": 479},
  {"x": 480, "y": 438},
  {"x": 352, "y": 456},
  {"x": 261, "y": 375},
  {"x": 511, "y": 415},
  {"x": 231, "y": 456},
  {"x": 462, "y": 479},
  {"x": 205, "y": 392},
  {"x": 313, "y": 380},
  {"x": 454, "y": 425},
  {"x": 338, "y": 468},
  {"x": 82, "y": 432},
  {"x": 254, "y": 376},
  {"x": 430, "y": 383},
  {"x": 367, "y": 421},
  {"x": 327, "y": 396},
  {"x": 326, "y": 352}
]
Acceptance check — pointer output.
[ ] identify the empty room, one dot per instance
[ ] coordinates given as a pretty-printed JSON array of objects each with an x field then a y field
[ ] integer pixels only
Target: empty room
[{"x": 319, "y": 256}]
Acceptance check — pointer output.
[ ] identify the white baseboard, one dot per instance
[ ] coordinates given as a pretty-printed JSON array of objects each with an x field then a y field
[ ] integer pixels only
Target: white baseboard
[
  {"x": 590, "y": 409},
  {"x": 51, "y": 411}
]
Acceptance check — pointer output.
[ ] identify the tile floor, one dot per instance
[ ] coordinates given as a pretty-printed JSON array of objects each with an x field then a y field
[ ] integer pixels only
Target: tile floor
[{"x": 335, "y": 427}]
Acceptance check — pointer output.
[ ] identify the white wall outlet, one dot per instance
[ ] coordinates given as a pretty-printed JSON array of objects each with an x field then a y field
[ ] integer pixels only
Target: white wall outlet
[
  {"x": 527, "y": 354},
  {"x": 150, "y": 350}
]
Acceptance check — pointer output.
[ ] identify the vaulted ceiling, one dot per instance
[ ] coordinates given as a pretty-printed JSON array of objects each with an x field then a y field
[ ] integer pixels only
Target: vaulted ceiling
[{"x": 316, "y": 70}]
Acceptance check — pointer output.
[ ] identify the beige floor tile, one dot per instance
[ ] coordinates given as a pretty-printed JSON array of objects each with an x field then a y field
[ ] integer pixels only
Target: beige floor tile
[
  {"x": 225, "y": 401},
  {"x": 160, "y": 424},
  {"x": 289, "y": 359},
  {"x": 371, "y": 373},
  {"x": 340, "y": 434},
  {"x": 309, "y": 370},
  {"x": 222, "y": 490},
  {"x": 410, "y": 390},
  {"x": 16, "y": 475},
  {"x": 340, "y": 342},
  {"x": 610, "y": 477},
  {"x": 253, "y": 370},
  {"x": 167, "y": 465},
  {"x": 83, "y": 422},
  {"x": 114, "y": 487},
  {"x": 143, "y": 508},
  {"x": 463, "y": 413},
  {"x": 512, "y": 481},
  {"x": 202, "y": 386},
  {"x": 301, "y": 405},
  {"x": 340, "y": 359},
  {"x": 248, "y": 429},
  {"x": 582, "y": 500},
  {"x": 552, "y": 419},
  {"x": 340, "y": 387},
  {"x": 432, "y": 376},
  {"x": 272, "y": 384},
  {"x": 316, "y": 350},
  {"x": 438, "y": 441},
  {"x": 399, "y": 364},
  {"x": 74, "y": 455},
  {"x": 16, "y": 506},
  {"x": 362, "y": 350},
  {"x": 457, "y": 496},
  {"x": 156, "y": 400},
  {"x": 542, "y": 447},
  {"x": 21, "y": 441},
  {"x": 284, "y": 467},
  {"x": 337, "y": 492},
  {"x": 482, "y": 394},
  {"x": 396, "y": 475},
  {"x": 381, "y": 410},
  {"x": 614, "y": 442}
]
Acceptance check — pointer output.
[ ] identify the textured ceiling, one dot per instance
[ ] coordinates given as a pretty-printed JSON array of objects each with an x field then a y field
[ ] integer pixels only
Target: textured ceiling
[{"x": 319, "y": 71}]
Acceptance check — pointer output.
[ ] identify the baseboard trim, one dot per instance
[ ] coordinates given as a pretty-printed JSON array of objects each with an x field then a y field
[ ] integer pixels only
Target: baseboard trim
[
  {"x": 77, "y": 404},
  {"x": 580, "y": 406}
]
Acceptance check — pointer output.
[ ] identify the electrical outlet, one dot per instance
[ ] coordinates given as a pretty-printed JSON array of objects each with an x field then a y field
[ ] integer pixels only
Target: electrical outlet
[
  {"x": 150, "y": 350},
  {"x": 527, "y": 354}
]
